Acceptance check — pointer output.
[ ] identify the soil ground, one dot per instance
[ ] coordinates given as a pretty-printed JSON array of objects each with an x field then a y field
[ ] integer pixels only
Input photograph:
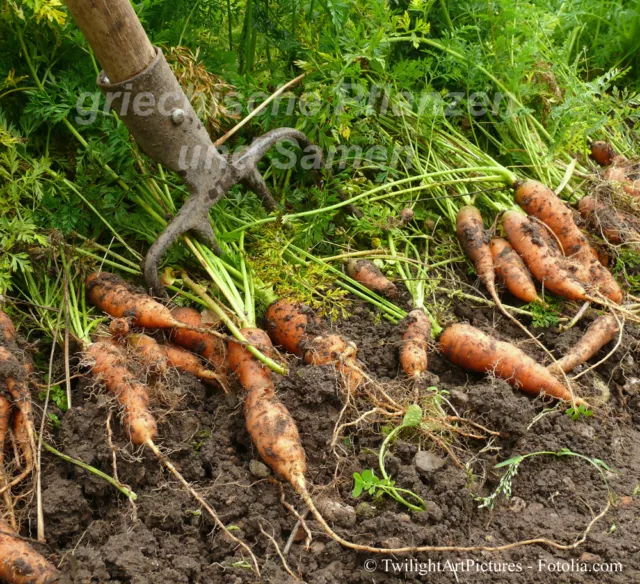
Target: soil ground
[{"x": 94, "y": 535}]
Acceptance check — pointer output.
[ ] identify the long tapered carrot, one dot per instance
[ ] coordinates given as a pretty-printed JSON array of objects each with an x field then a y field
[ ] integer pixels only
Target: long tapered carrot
[
  {"x": 369, "y": 275},
  {"x": 269, "y": 423},
  {"x": 109, "y": 365},
  {"x": 601, "y": 331},
  {"x": 474, "y": 240},
  {"x": 20, "y": 563},
  {"x": 294, "y": 326},
  {"x": 551, "y": 270},
  {"x": 5, "y": 417},
  {"x": 415, "y": 341},
  {"x": 7, "y": 330},
  {"x": 471, "y": 349},
  {"x": 511, "y": 271}
]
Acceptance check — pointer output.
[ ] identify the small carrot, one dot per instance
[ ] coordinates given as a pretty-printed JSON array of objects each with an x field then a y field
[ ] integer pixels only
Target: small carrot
[
  {"x": 602, "y": 152},
  {"x": 295, "y": 327},
  {"x": 110, "y": 367},
  {"x": 209, "y": 346},
  {"x": 20, "y": 563},
  {"x": 119, "y": 327},
  {"x": 617, "y": 227},
  {"x": 511, "y": 271},
  {"x": 415, "y": 340},
  {"x": 368, "y": 274},
  {"x": 7, "y": 330},
  {"x": 474, "y": 240},
  {"x": 471, "y": 349},
  {"x": 618, "y": 173},
  {"x": 161, "y": 357},
  {"x": 531, "y": 243},
  {"x": 601, "y": 331}
]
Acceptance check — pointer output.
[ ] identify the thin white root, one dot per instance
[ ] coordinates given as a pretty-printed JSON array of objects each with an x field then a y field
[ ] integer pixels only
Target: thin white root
[{"x": 280, "y": 555}]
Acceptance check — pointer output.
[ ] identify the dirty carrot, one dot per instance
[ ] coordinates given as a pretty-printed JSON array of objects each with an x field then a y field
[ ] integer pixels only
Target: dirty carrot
[
  {"x": 7, "y": 330},
  {"x": 612, "y": 224},
  {"x": 551, "y": 270},
  {"x": 111, "y": 294},
  {"x": 603, "y": 152},
  {"x": 119, "y": 327},
  {"x": 109, "y": 365},
  {"x": 5, "y": 415},
  {"x": 473, "y": 350},
  {"x": 209, "y": 346},
  {"x": 269, "y": 423},
  {"x": 415, "y": 340},
  {"x": 511, "y": 271},
  {"x": 619, "y": 173},
  {"x": 601, "y": 331},
  {"x": 294, "y": 326},
  {"x": 367, "y": 273},
  {"x": 160, "y": 357},
  {"x": 540, "y": 201},
  {"x": 20, "y": 563}
]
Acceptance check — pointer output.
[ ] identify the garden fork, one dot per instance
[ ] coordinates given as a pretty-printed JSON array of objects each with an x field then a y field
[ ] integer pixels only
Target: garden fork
[{"x": 141, "y": 88}]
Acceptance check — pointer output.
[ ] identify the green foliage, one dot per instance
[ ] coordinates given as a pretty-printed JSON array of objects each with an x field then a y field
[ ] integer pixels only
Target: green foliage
[
  {"x": 581, "y": 411},
  {"x": 57, "y": 395},
  {"x": 544, "y": 314}
]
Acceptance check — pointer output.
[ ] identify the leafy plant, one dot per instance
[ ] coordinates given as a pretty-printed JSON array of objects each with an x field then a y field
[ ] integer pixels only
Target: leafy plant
[{"x": 581, "y": 411}]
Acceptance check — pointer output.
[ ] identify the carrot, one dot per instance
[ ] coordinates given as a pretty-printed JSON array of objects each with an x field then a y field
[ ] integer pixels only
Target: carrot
[
  {"x": 617, "y": 227},
  {"x": 531, "y": 244},
  {"x": 474, "y": 240},
  {"x": 602, "y": 152},
  {"x": 14, "y": 376},
  {"x": 110, "y": 367},
  {"x": 538, "y": 200},
  {"x": 294, "y": 327},
  {"x": 269, "y": 423},
  {"x": 119, "y": 327},
  {"x": 7, "y": 330},
  {"x": 5, "y": 415},
  {"x": 368, "y": 274},
  {"x": 601, "y": 331},
  {"x": 209, "y": 346},
  {"x": 415, "y": 340},
  {"x": 160, "y": 357},
  {"x": 471, "y": 349},
  {"x": 619, "y": 174},
  {"x": 511, "y": 271},
  {"x": 20, "y": 563}
]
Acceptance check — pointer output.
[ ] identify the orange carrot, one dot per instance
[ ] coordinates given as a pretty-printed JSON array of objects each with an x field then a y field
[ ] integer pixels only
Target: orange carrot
[
  {"x": 269, "y": 423},
  {"x": 538, "y": 200},
  {"x": 531, "y": 243},
  {"x": 7, "y": 330},
  {"x": 20, "y": 563},
  {"x": 619, "y": 174},
  {"x": 601, "y": 331},
  {"x": 22, "y": 437},
  {"x": 415, "y": 340},
  {"x": 209, "y": 346},
  {"x": 295, "y": 327},
  {"x": 474, "y": 240},
  {"x": 616, "y": 226},
  {"x": 602, "y": 152},
  {"x": 110, "y": 367},
  {"x": 368, "y": 274},
  {"x": 5, "y": 415},
  {"x": 511, "y": 271},
  {"x": 119, "y": 327},
  {"x": 160, "y": 357},
  {"x": 471, "y": 349}
]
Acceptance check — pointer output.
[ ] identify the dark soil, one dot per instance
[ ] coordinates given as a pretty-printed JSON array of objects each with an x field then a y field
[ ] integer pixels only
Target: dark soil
[{"x": 93, "y": 534}]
